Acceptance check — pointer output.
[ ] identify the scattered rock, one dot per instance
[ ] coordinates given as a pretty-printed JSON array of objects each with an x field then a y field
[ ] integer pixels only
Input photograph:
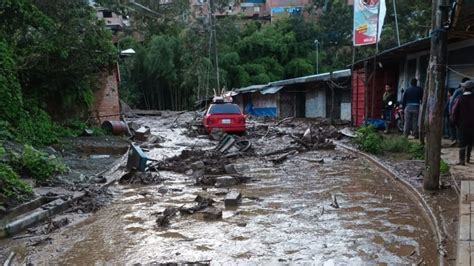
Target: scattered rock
[
  {"x": 236, "y": 168},
  {"x": 232, "y": 198},
  {"x": 226, "y": 181},
  {"x": 211, "y": 213},
  {"x": 198, "y": 165}
]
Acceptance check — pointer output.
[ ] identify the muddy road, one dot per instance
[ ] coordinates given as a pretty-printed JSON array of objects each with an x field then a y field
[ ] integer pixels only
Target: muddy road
[{"x": 287, "y": 214}]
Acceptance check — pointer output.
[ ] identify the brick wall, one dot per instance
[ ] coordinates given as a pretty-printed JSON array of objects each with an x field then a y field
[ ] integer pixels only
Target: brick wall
[{"x": 106, "y": 99}]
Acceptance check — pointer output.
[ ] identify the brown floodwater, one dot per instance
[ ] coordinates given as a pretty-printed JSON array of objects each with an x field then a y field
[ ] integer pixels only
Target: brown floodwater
[{"x": 285, "y": 217}]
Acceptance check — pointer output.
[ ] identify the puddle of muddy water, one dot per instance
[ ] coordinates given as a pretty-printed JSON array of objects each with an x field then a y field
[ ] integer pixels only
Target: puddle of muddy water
[{"x": 292, "y": 222}]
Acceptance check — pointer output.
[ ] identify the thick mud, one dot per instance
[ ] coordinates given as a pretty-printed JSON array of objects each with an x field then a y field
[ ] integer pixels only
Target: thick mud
[{"x": 287, "y": 215}]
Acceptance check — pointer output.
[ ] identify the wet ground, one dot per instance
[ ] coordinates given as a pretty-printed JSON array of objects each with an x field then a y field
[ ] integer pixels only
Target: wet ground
[{"x": 285, "y": 216}]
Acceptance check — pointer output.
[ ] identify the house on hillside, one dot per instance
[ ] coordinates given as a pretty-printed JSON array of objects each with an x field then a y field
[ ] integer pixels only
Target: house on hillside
[
  {"x": 324, "y": 95},
  {"x": 397, "y": 66}
]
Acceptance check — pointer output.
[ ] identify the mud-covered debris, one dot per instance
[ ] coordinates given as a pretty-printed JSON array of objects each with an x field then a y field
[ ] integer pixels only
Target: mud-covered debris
[
  {"x": 145, "y": 178},
  {"x": 55, "y": 224},
  {"x": 198, "y": 165},
  {"x": 217, "y": 134},
  {"x": 206, "y": 180},
  {"x": 334, "y": 203},
  {"x": 40, "y": 241},
  {"x": 204, "y": 198},
  {"x": 93, "y": 200},
  {"x": 163, "y": 219},
  {"x": 282, "y": 158},
  {"x": 213, "y": 161},
  {"x": 211, "y": 213},
  {"x": 236, "y": 168},
  {"x": 203, "y": 201},
  {"x": 99, "y": 179},
  {"x": 233, "y": 198}
]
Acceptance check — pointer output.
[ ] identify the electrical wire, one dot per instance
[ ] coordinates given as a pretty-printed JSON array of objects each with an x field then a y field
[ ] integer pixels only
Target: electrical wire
[{"x": 459, "y": 73}]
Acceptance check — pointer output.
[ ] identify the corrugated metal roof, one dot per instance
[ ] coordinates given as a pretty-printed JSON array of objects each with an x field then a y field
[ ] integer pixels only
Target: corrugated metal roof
[
  {"x": 319, "y": 77},
  {"x": 274, "y": 87},
  {"x": 252, "y": 88},
  {"x": 271, "y": 90}
]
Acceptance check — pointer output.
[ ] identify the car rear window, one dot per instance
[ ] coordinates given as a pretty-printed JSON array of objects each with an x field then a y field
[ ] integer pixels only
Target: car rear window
[{"x": 224, "y": 109}]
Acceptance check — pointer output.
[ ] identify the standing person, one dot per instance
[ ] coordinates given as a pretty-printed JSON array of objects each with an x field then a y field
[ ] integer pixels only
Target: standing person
[
  {"x": 388, "y": 102},
  {"x": 463, "y": 118},
  {"x": 458, "y": 92},
  {"x": 411, "y": 102},
  {"x": 448, "y": 125}
]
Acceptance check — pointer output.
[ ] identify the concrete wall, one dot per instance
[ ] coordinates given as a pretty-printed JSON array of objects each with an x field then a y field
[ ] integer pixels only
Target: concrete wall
[
  {"x": 316, "y": 103},
  {"x": 106, "y": 99}
]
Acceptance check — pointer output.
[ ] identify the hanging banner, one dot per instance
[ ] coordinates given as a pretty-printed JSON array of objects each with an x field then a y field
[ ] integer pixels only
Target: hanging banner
[{"x": 367, "y": 14}]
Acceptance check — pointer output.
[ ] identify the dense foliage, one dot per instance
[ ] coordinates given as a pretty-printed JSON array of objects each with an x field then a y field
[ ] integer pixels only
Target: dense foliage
[
  {"x": 11, "y": 186},
  {"x": 51, "y": 53}
]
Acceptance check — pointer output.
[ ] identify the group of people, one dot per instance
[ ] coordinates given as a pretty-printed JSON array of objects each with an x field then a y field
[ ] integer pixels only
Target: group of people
[
  {"x": 461, "y": 116},
  {"x": 459, "y": 110}
]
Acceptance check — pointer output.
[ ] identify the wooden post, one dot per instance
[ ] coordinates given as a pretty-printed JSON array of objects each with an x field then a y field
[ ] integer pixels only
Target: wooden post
[{"x": 436, "y": 89}]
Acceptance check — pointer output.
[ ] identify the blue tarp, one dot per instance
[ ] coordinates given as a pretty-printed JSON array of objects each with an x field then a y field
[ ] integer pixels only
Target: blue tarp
[
  {"x": 260, "y": 111},
  {"x": 376, "y": 122}
]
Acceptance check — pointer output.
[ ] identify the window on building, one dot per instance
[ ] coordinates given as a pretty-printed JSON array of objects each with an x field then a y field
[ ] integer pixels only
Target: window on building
[{"x": 107, "y": 14}]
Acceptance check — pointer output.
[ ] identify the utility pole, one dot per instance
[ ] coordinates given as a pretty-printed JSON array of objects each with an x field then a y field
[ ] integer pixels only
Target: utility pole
[
  {"x": 213, "y": 34},
  {"x": 396, "y": 21},
  {"x": 436, "y": 94}
]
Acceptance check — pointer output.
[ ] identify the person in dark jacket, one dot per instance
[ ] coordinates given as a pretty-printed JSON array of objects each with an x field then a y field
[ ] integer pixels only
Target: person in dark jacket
[
  {"x": 463, "y": 118},
  {"x": 449, "y": 129},
  {"x": 411, "y": 102},
  {"x": 388, "y": 102},
  {"x": 458, "y": 92}
]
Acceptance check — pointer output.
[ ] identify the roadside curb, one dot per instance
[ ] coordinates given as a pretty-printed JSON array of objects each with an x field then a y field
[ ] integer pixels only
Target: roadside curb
[
  {"x": 412, "y": 190},
  {"x": 58, "y": 205},
  {"x": 466, "y": 216}
]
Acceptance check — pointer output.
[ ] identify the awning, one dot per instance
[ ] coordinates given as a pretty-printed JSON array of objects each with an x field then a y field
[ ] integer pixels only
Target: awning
[{"x": 271, "y": 90}]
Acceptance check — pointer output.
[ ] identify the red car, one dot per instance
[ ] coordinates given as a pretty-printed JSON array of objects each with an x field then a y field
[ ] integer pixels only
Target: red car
[{"x": 226, "y": 116}]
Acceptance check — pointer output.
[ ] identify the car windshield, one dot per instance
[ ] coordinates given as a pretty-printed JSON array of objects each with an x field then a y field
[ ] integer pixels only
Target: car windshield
[{"x": 224, "y": 109}]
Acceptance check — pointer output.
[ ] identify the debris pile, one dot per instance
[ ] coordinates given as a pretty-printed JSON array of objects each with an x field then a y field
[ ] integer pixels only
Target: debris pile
[
  {"x": 94, "y": 199},
  {"x": 211, "y": 161},
  {"x": 318, "y": 139}
]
